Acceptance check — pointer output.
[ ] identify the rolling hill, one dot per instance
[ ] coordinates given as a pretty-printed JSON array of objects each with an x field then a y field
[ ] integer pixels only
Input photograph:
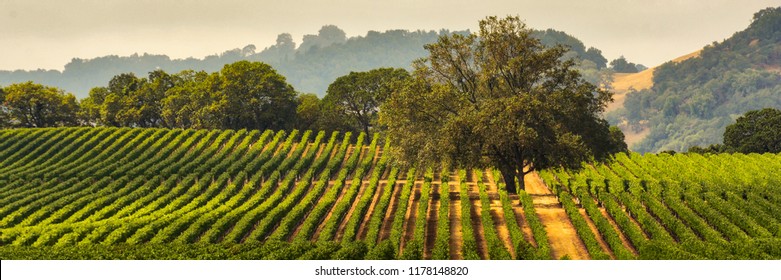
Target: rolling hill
[{"x": 692, "y": 99}]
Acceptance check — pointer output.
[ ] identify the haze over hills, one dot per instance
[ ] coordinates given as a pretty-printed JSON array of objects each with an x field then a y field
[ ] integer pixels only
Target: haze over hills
[
  {"x": 309, "y": 66},
  {"x": 691, "y": 100},
  {"x": 685, "y": 102},
  {"x": 624, "y": 83}
]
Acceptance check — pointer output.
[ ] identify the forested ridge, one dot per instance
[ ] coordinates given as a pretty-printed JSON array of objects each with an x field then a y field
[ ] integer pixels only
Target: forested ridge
[
  {"x": 309, "y": 66},
  {"x": 692, "y": 101}
]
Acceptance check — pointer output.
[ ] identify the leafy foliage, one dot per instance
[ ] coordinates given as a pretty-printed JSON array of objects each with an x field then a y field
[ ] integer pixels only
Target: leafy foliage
[
  {"x": 755, "y": 132},
  {"x": 34, "y": 105},
  {"x": 499, "y": 98},
  {"x": 242, "y": 95},
  {"x": 357, "y": 96}
]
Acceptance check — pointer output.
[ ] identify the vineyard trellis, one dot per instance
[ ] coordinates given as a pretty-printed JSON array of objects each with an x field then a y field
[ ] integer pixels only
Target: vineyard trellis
[{"x": 132, "y": 193}]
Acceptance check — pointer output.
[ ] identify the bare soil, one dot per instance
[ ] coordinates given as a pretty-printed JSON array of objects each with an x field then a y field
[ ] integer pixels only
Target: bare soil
[
  {"x": 598, "y": 236},
  {"x": 621, "y": 234},
  {"x": 562, "y": 236},
  {"x": 387, "y": 222},
  {"x": 476, "y": 209},
  {"x": 363, "y": 229},
  {"x": 520, "y": 218},
  {"x": 345, "y": 186},
  {"x": 301, "y": 222},
  {"x": 411, "y": 216},
  {"x": 330, "y": 211},
  {"x": 497, "y": 213},
  {"x": 456, "y": 237},
  {"x": 349, "y": 213},
  {"x": 320, "y": 150},
  {"x": 432, "y": 220}
]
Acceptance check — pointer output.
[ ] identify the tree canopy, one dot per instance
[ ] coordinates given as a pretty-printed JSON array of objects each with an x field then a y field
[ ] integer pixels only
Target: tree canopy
[
  {"x": 621, "y": 65},
  {"x": 242, "y": 95},
  {"x": 34, "y": 105},
  {"x": 498, "y": 98},
  {"x": 357, "y": 96},
  {"x": 757, "y": 131}
]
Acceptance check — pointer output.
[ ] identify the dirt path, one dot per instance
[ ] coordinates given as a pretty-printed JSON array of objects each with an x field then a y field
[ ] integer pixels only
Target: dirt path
[
  {"x": 410, "y": 217},
  {"x": 474, "y": 213},
  {"x": 562, "y": 236},
  {"x": 594, "y": 229},
  {"x": 621, "y": 234},
  {"x": 520, "y": 218},
  {"x": 387, "y": 222},
  {"x": 300, "y": 224},
  {"x": 331, "y": 183},
  {"x": 432, "y": 220},
  {"x": 306, "y": 149},
  {"x": 320, "y": 150},
  {"x": 316, "y": 234},
  {"x": 456, "y": 238},
  {"x": 370, "y": 211},
  {"x": 497, "y": 213},
  {"x": 346, "y": 218}
]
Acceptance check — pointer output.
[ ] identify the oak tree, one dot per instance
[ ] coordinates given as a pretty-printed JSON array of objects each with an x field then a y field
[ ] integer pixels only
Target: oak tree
[
  {"x": 356, "y": 97},
  {"x": 757, "y": 131},
  {"x": 35, "y": 105},
  {"x": 498, "y": 98}
]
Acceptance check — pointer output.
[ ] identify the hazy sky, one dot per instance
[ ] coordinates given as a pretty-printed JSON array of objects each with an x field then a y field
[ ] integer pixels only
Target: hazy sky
[{"x": 48, "y": 33}]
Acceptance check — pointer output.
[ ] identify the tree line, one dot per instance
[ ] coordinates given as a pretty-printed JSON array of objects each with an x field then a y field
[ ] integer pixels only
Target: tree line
[
  {"x": 243, "y": 94},
  {"x": 498, "y": 98}
]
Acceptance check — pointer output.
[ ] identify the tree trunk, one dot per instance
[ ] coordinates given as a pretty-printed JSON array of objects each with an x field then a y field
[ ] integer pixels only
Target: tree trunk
[
  {"x": 508, "y": 174},
  {"x": 368, "y": 138},
  {"x": 521, "y": 183}
]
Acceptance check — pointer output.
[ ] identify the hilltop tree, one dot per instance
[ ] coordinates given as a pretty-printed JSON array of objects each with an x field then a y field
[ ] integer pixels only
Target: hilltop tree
[
  {"x": 34, "y": 105},
  {"x": 757, "y": 131},
  {"x": 357, "y": 96},
  {"x": 498, "y": 99},
  {"x": 621, "y": 65}
]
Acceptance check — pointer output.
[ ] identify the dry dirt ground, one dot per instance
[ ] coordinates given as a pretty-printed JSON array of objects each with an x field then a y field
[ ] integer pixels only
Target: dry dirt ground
[{"x": 562, "y": 236}]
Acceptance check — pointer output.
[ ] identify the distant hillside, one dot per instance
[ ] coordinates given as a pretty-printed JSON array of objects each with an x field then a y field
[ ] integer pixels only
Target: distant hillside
[
  {"x": 309, "y": 67},
  {"x": 624, "y": 83},
  {"x": 690, "y": 100}
]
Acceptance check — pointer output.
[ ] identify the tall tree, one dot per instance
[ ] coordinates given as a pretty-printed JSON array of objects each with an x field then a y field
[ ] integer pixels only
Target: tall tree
[
  {"x": 34, "y": 105},
  {"x": 308, "y": 112},
  {"x": 498, "y": 99},
  {"x": 188, "y": 103},
  {"x": 757, "y": 131},
  {"x": 253, "y": 95},
  {"x": 128, "y": 101},
  {"x": 357, "y": 96}
]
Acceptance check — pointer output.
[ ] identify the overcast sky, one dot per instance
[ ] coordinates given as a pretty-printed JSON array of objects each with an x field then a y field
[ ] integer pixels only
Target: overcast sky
[{"x": 48, "y": 33}]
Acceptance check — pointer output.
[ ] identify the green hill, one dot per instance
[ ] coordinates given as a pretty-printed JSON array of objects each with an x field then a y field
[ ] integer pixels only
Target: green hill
[{"x": 692, "y": 101}]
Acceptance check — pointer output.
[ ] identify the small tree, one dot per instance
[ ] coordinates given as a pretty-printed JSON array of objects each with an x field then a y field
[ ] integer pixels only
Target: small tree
[
  {"x": 621, "y": 65},
  {"x": 757, "y": 131},
  {"x": 357, "y": 96},
  {"x": 498, "y": 99}
]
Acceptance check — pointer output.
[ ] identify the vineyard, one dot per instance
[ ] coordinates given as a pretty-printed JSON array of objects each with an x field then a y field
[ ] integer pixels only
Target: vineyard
[{"x": 131, "y": 193}]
